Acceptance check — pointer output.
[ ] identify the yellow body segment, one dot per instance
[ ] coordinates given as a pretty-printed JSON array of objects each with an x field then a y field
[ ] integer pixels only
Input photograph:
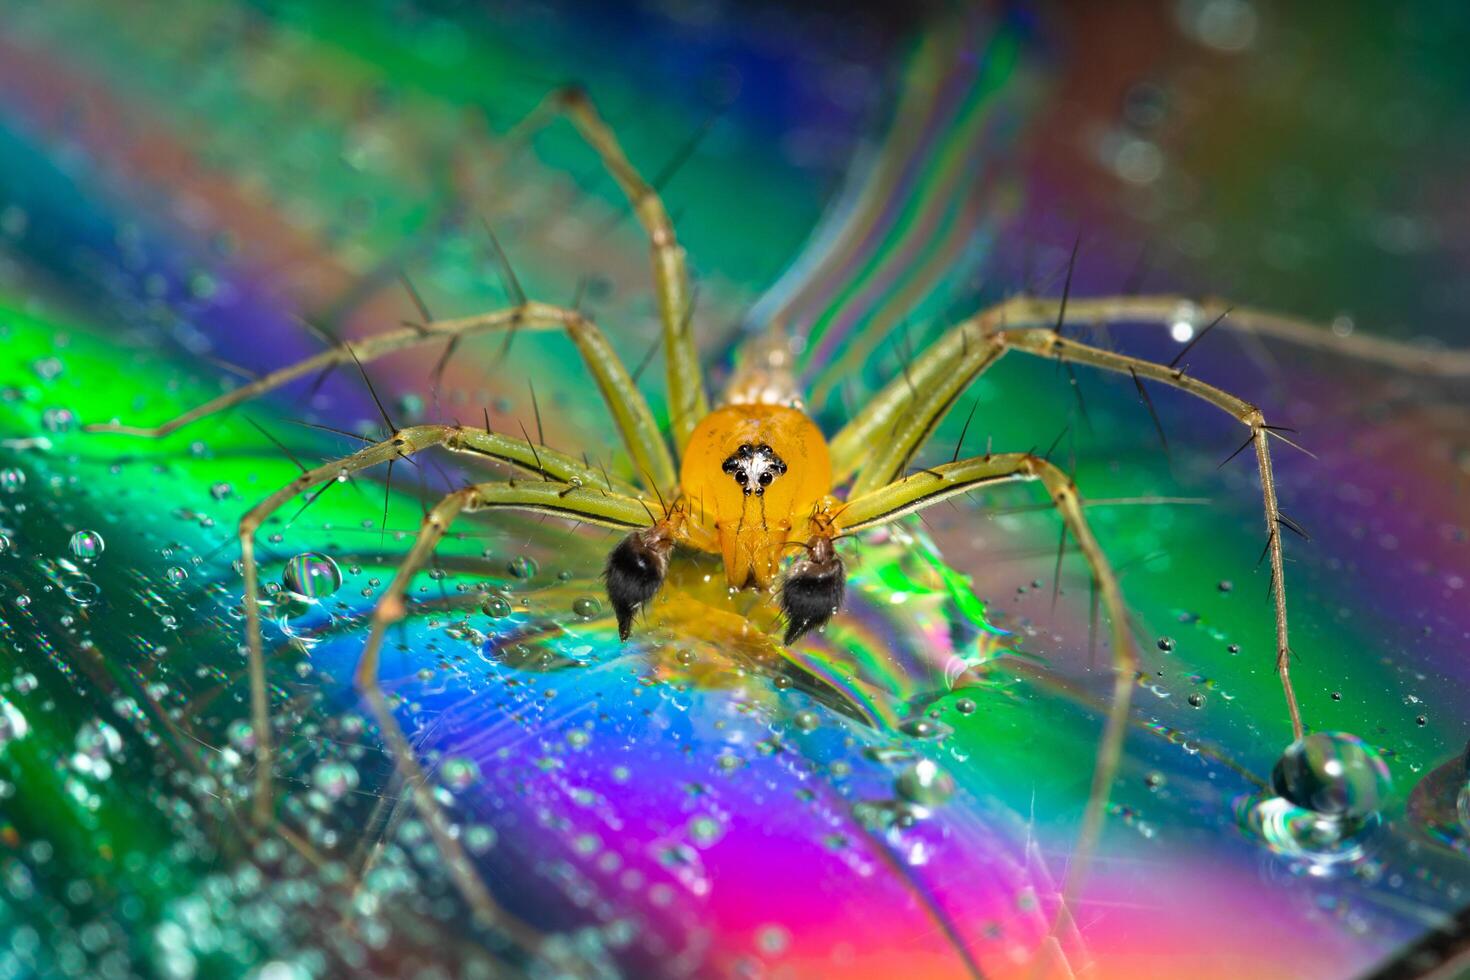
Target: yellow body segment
[{"x": 782, "y": 459}]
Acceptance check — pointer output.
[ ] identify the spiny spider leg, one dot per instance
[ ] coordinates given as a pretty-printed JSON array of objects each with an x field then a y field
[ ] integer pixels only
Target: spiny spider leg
[
  {"x": 851, "y": 445},
  {"x": 929, "y": 487},
  {"x": 568, "y": 488},
  {"x": 629, "y": 409},
  {"x": 688, "y": 402},
  {"x": 576, "y": 482},
  {"x": 911, "y": 406},
  {"x": 564, "y": 500}
]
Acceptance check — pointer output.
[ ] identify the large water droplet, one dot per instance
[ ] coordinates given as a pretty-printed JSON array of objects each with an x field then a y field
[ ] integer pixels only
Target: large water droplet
[
  {"x": 87, "y": 545},
  {"x": 1334, "y": 774},
  {"x": 313, "y": 575}
]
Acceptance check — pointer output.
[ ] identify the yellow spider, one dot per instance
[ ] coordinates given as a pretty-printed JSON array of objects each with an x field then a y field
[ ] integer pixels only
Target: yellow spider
[{"x": 756, "y": 478}]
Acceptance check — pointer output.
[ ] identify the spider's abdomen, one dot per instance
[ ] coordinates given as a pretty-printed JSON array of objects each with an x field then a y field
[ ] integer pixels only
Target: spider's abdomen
[{"x": 753, "y": 474}]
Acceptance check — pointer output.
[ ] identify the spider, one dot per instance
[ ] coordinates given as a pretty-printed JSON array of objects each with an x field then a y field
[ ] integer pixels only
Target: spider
[{"x": 753, "y": 479}]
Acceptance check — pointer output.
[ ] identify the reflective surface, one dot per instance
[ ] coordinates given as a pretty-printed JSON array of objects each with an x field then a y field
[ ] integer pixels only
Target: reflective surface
[{"x": 900, "y": 794}]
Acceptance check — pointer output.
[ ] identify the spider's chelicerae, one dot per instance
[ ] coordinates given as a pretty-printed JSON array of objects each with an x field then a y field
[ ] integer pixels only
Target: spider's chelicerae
[{"x": 754, "y": 480}]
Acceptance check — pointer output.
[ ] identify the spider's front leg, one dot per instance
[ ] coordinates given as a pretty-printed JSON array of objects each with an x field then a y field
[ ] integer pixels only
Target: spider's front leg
[{"x": 928, "y": 487}]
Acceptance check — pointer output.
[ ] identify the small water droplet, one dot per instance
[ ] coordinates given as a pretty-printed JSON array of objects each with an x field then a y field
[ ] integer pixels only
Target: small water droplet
[
  {"x": 965, "y": 706},
  {"x": 522, "y": 567},
  {"x": 460, "y": 773},
  {"x": 12, "y": 479},
  {"x": 87, "y": 545},
  {"x": 806, "y": 720},
  {"x": 496, "y": 607},
  {"x": 58, "y": 420},
  {"x": 1166, "y": 643},
  {"x": 587, "y": 607},
  {"x": 1196, "y": 700},
  {"x": 334, "y": 779},
  {"x": 312, "y": 575},
  {"x": 176, "y": 574},
  {"x": 925, "y": 783}
]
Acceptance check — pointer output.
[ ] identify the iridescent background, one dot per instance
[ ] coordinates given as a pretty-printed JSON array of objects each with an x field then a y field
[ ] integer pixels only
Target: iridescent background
[{"x": 182, "y": 184}]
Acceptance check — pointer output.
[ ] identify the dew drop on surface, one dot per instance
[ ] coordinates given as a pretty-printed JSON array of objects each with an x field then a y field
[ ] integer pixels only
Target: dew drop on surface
[
  {"x": 587, "y": 607},
  {"x": 176, "y": 574},
  {"x": 1166, "y": 643},
  {"x": 460, "y": 773},
  {"x": 479, "y": 838},
  {"x": 496, "y": 607},
  {"x": 925, "y": 728},
  {"x": 241, "y": 735},
  {"x": 4, "y": 544},
  {"x": 1334, "y": 774},
  {"x": 925, "y": 783},
  {"x": 86, "y": 545},
  {"x": 965, "y": 706},
  {"x": 334, "y": 779},
  {"x": 522, "y": 567},
  {"x": 58, "y": 420},
  {"x": 1196, "y": 700},
  {"x": 13, "y": 724},
  {"x": 806, "y": 720},
  {"x": 12, "y": 480},
  {"x": 312, "y": 574}
]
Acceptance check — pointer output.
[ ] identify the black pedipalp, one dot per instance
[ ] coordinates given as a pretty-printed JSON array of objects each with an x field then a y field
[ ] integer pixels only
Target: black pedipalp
[
  {"x": 812, "y": 591},
  {"x": 635, "y": 570}
]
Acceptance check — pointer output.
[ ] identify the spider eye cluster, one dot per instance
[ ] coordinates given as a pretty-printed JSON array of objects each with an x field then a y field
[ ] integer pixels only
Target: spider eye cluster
[{"x": 754, "y": 467}]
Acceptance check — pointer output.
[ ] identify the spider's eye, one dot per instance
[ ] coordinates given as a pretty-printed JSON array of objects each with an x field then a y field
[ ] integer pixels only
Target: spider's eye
[
  {"x": 811, "y": 593},
  {"x": 634, "y": 572}
]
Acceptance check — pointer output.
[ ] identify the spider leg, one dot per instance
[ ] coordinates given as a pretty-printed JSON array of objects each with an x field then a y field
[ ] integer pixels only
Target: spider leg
[
  {"x": 930, "y": 486},
  {"x": 688, "y": 402},
  {"x": 1165, "y": 309},
  {"x": 576, "y": 488},
  {"x": 565, "y": 500},
  {"x": 629, "y": 410},
  {"x": 1049, "y": 344},
  {"x": 853, "y": 443}
]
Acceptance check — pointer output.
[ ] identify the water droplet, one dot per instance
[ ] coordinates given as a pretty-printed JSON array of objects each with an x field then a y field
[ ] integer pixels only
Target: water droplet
[
  {"x": 925, "y": 783},
  {"x": 587, "y": 607},
  {"x": 496, "y": 607},
  {"x": 705, "y": 830},
  {"x": 13, "y": 724},
  {"x": 460, "y": 773},
  {"x": 58, "y": 420},
  {"x": 1166, "y": 643},
  {"x": 806, "y": 720},
  {"x": 1196, "y": 700},
  {"x": 241, "y": 735},
  {"x": 479, "y": 838},
  {"x": 522, "y": 567},
  {"x": 4, "y": 544},
  {"x": 12, "y": 479},
  {"x": 87, "y": 545},
  {"x": 312, "y": 575},
  {"x": 772, "y": 939},
  {"x": 965, "y": 706},
  {"x": 925, "y": 728},
  {"x": 176, "y": 574},
  {"x": 1334, "y": 774},
  {"x": 221, "y": 491},
  {"x": 334, "y": 779}
]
